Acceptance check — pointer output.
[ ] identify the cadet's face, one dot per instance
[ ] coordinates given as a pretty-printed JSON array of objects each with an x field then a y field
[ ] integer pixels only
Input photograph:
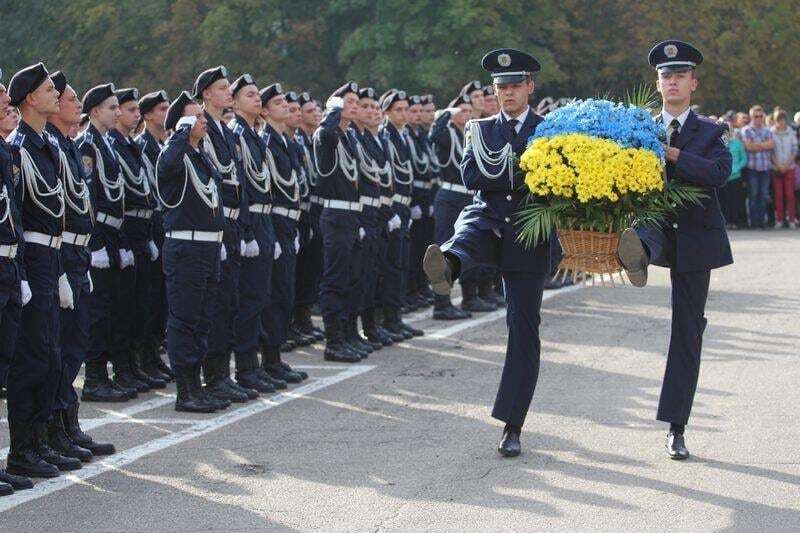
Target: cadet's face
[
  {"x": 278, "y": 108},
  {"x": 371, "y": 112},
  {"x": 10, "y": 122},
  {"x": 460, "y": 119},
  {"x": 45, "y": 98},
  {"x": 676, "y": 87},
  {"x": 107, "y": 113},
  {"x": 129, "y": 115},
  {"x": 513, "y": 96},
  {"x": 199, "y": 128},
  {"x": 248, "y": 101},
  {"x": 350, "y": 109},
  {"x": 5, "y": 100},
  {"x": 476, "y": 97},
  {"x": 490, "y": 105},
  {"x": 428, "y": 111},
  {"x": 308, "y": 115},
  {"x": 219, "y": 94},
  {"x": 71, "y": 107},
  {"x": 414, "y": 114},
  {"x": 317, "y": 115},
  {"x": 295, "y": 117},
  {"x": 158, "y": 114},
  {"x": 398, "y": 113}
]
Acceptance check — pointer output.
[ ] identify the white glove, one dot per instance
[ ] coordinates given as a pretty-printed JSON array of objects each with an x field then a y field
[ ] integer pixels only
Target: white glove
[
  {"x": 65, "y": 297},
  {"x": 190, "y": 120},
  {"x": 100, "y": 258},
  {"x": 251, "y": 249},
  {"x": 25, "y": 293},
  {"x": 394, "y": 223},
  {"x": 410, "y": 221},
  {"x": 334, "y": 102},
  {"x": 297, "y": 243},
  {"x": 416, "y": 212},
  {"x": 223, "y": 253},
  {"x": 278, "y": 251},
  {"x": 361, "y": 234},
  {"x": 91, "y": 283},
  {"x": 125, "y": 259},
  {"x": 243, "y": 248},
  {"x": 310, "y": 233},
  {"x": 430, "y": 210},
  {"x": 153, "y": 250}
]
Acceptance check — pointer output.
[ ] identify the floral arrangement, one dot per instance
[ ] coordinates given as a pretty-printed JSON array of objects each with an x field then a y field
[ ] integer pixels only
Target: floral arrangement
[{"x": 598, "y": 166}]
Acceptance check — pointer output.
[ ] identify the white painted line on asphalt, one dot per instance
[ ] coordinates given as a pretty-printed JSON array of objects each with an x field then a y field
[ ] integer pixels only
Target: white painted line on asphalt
[
  {"x": 489, "y": 317},
  {"x": 200, "y": 428}
]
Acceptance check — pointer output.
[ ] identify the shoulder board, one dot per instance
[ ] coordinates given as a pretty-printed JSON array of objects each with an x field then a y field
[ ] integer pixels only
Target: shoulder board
[
  {"x": 236, "y": 128},
  {"x": 16, "y": 139},
  {"x": 87, "y": 137},
  {"x": 52, "y": 140}
]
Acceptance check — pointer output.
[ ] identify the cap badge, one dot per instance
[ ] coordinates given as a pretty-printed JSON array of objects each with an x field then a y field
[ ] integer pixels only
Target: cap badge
[
  {"x": 504, "y": 60},
  {"x": 670, "y": 51},
  {"x": 223, "y": 71},
  {"x": 278, "y": 88}
]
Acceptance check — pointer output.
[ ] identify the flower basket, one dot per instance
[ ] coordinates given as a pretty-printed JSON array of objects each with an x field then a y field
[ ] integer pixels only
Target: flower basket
[{"x": 589, "y": 252}]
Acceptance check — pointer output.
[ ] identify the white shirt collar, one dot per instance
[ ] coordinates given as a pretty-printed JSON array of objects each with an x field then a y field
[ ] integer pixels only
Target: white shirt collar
[
  {"x": 667, "y": 118},
  {"x": 520, "y": 119}
]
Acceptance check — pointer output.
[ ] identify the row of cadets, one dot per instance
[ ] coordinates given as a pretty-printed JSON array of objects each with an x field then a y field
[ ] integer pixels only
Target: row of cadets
[
  {"x": 337, "y": 169},
  {"x": 214, "y": 90},
  {"x": 447, "y": 138},
  {"x": 418, "y": 293},
  {"x": 187, "y": 185},
  {"x": 371, "y": 174},
  {"x": 394, "y": 104},
  {"x": 140, "y": 251},
  {"x": 35, "y": 373},
  {"x": 64, "y": 432},
  {"x": 259, "y": 244},
  {"x": 309, "y": 258},
  {"x": 153, "y": 109},
  {"x": 285, "y": 214},
  {"x": 106, "y": 306}
]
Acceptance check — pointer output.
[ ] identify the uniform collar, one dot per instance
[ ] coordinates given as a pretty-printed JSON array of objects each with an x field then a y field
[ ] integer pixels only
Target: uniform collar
[
  {"x": 520, "y": 119},
  {"x": 29, "y": 133},
  {"x": 667, "y": 118}
]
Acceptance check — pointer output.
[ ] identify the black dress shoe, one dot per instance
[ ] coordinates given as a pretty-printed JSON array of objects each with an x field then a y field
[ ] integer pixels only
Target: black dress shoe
[
  {"x": 150, "y": 381},
  {"x": 6, "y": 489},
  {"x": 340, "y": 353},
  {"x": 288, "y": 368},
  {"x": 127, "y": 380},
  {"x": 59, "y": 441},
  {"x": 509, "y": 444},
  {"x": 132, "y": 394},
  {"x": 218, "y": 389},
  {"x": 16, "y": 482},
  {"x": 264, "y": 376},
  {"x": 277, "y": 371},
  {"x": 633, "y": 257},
  {"x": 251, "y": 394},
  {"x": 73, "y": 429},
  {"x": 250, "y": 380},
  {"x": 102, "y": 391},
  {"x": 62, "y": 462},
  {"x": 676, "y": 447}
]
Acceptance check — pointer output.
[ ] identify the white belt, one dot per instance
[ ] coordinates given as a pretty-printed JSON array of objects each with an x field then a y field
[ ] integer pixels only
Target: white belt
[
  {"x": 34, "y": 237},
  {"x": 294, "y": 214},
  {"x": 372, "y": 202},
  {"x": 8, "y": 250},
  {"x": 342, "y": 204},
  {"x": 456, "y": 187},
  {"x": 191, "y": 235},
  {"x": 419, "y": 184},
  {"x": 263, "y": 209},
  {"x": 108, "y": 220},
  {"x": 305, "y": 206},
  {"x": 386, "y": 200},
  {"x": 315, "y": 199},
  {"x": 400, "y": 199},
  {"x": 75, "y": 238},
  {"x": 140, "y": 213},
  {"x": 231, "y": 213}
]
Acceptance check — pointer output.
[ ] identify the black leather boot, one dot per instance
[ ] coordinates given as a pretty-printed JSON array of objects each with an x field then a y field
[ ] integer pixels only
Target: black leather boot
[
  {"x": 62, "y": 462},
  {"x": 353, "y": 339},
  {"x": 197, "y": 387},
  {"x": 271, "y": 363},
  {"x": 304, "y": 323},
  {"x": 217, "y": 370},
  {"x": 391, "y": 323},
  {"x": 443, "y": 309},
  {"x": 98, "y": 388},
  {"x": 247, "y": 375},
  {"x": 73, "y": 428},
  {"x": 149, "y": 359},
  {"x": 15, "y": 482},
  {"x": 370, "y": 331},
  {"x": 335, "y": 348},
  {"x": 488, "y": 294},
  {"x": 187, "y": 399},
  {"x": 59, "y": 441},
  {"x": 472, "y": 302},
  {"x": 138, "y": 373},
  {"x": 23, "y": 456}
]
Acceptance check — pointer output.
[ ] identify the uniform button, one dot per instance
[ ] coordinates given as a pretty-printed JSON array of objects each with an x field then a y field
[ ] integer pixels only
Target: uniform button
[
  {"x": 508, "y": 197},
  {"x": 675, "y": 226},
  {"x": 673, "y": 204},
  {"x": 508, "y": 220}
]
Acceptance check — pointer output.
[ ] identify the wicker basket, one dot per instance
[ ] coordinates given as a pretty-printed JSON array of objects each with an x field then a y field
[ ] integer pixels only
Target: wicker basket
[{"x": 590, "y": 252}]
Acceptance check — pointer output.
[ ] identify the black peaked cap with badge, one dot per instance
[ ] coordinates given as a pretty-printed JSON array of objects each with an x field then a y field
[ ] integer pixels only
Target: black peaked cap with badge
[
  {"x": 149, "y": 101},
  {"x": 508, "y": 65},
  {"x": 175, "y": 111},
  {"x": 349, "y": 87},
  {"x": 394, "y": 96},
  {"x": 241, "y": 82},
  {"x": 207, "y": 77},
  {"x": 305, "y": 98},
  {"x": 674, "y": 56},
  {"x": 25, "y": 82},
  {"x": 97, "y": 95},
  {"x": 367, "y": 92},
  {"x": 471, "y": 87},
  {"x": 458, "y": 100},
  {"x": 292, "y": 97},
  {"x": 269, "y": 92}
]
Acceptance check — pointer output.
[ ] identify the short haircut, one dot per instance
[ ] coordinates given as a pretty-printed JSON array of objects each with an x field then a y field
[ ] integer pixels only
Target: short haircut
[
  {"x": 780, "y": 114},
  {"x": 756, "y": 109}
]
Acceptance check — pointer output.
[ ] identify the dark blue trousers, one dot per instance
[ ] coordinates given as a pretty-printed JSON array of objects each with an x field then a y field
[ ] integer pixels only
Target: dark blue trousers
[
  {"x": 276, "y": 315},
  {"x": 10, "y": 312},
  {"x": 74, "y": 324},
  {"x": 394, "y": 271},
  {"x": 447, "y": 206},
  {"x": 421, "y": 236},
  {"x": 155, "y": 320},
  {"x": 129, "y": 333},
  {"x": 309, "y": 260},
  {"x": 35, "y": 372},
  {"x": 373, "y": 225},
  {"x": 106, "y": 307},
  {"x": 689, "y": 295},
  {"x": 221, "y": 338},
  {"x": 192, "y": 273},
  {"x": 255, "y": 286},
  {"x": 339, "y": 235}
]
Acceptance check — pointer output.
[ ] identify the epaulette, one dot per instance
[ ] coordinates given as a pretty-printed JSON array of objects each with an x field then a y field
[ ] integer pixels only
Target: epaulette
[
  {"x": 86, "y": 137},
  {"x": 236, "y": 128},
  {"x": 52, "y": 139},
  {"x": 16, "y": 139}
]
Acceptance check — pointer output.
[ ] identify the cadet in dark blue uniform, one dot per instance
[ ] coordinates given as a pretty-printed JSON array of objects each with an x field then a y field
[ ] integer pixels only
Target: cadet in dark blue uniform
[
  {"x": 153, "y": 108},
  {"x": 309, "y": 259},
  {"x": 337, "y": 167},
  {"x": 137, "y": 232},
  {"x": 34, "y": 376},
  {"x": 395, "y": 106},
  {"x": 447, "y": 137},
  {"x": 106, "y": 185},
  {"x": 691, "y": 244},
  {"x": 14, "y": 292},
  {"x": 64, "y": 432},
  {"x": 213, "y": 88},
  {"x": 256, "y": 276},
  {"x": 422, "y": 225},
  {"x": 485, "y": 234},
  {"x": 187, "y": 185}
]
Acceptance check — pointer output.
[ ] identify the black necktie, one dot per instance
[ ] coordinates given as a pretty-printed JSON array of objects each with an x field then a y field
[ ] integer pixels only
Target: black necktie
[
  {"x": 676, "y": 129},
  {"x": 512, "y": 127}
]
